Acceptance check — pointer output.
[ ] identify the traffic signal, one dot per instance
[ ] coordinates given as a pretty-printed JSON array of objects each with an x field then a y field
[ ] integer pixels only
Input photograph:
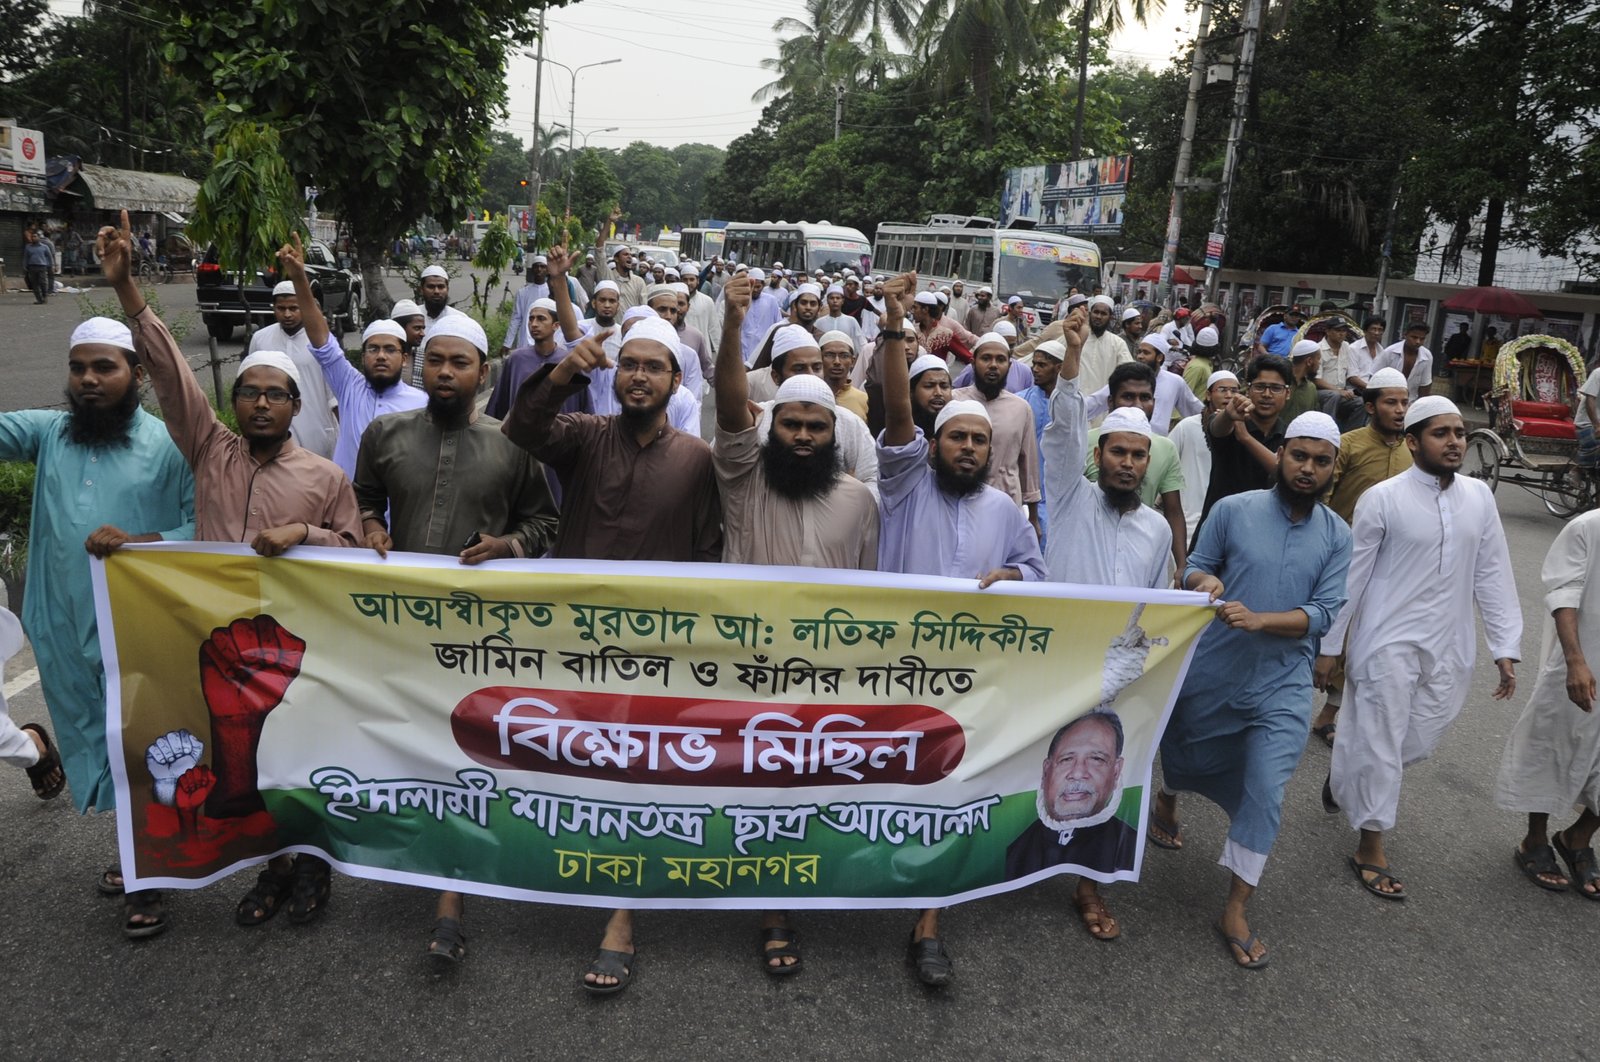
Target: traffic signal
[{"x": 522, "y": 183}]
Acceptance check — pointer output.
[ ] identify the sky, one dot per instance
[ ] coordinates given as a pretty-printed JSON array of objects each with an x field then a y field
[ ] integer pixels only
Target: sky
[{"x": 687, "y": 68}]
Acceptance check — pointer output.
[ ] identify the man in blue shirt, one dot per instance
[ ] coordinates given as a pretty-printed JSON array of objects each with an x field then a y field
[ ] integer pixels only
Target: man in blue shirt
[{"x": 1279, "y": 338}]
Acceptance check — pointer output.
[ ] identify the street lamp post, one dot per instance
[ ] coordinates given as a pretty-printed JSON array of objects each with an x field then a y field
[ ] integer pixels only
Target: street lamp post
[
  {"x": 572, "y": 113},
  {"x": 570, "y": 163}
]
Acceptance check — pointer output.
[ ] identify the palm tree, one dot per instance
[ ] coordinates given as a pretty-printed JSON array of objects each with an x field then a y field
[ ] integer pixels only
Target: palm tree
[
  {"x": 812, "y": 54},
  {"x": 969, "y": 40},
  {"x": 1112, "y": 19},
  {"x": 901, "y": 16}
]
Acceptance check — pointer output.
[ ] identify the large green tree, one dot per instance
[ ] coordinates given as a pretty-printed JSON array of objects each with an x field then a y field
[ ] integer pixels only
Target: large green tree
[
  {"x": 387, "y": 108},
  {"x": 973, "y": 44}
]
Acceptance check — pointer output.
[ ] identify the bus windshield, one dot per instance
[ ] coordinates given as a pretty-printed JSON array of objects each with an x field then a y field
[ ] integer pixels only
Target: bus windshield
[
  {"x": 835, "y": 256},
  {"x": 1045, "y": 271}
]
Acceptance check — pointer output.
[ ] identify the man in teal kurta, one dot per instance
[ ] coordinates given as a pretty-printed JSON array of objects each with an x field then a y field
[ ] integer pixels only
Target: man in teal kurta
[{"x": 107, "y": 474}]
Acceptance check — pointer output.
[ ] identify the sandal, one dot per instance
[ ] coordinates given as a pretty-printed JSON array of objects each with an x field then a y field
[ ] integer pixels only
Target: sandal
[
  {"x": 313, "y": 886},
  {"x": 449, "y": 941},
  {"x": 789, "y": 948},
  {"x": 609, "y": 963},
  {"x": 272, "y": 887},
  {"x": 49, "y": 763},
  {"x": 147, "y": 905},
  {"x": 1581, "y": 862},
  {"x": 931, "y": 960},
  {"x": 1244, "y": 946},
  {"x": 1104, "y": 925},
  {"x": 1382, "y": 874},
  {"x": 109, "y": 883},
  {"x": 1541, "y": 860},
  {"x": 1174, "y": 839},
  {"x": 1326, "y": 732}
]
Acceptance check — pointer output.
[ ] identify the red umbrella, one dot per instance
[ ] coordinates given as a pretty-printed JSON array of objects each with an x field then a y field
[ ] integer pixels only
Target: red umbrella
[
  {"x": 1496, "y": 302},
  {"x": 1152, "y": 271}
]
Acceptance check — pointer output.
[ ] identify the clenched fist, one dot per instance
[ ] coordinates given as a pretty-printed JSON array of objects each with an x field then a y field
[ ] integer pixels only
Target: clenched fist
[
  {"x": 167, "y": 758},
  {"x": 245, "y": 669}
]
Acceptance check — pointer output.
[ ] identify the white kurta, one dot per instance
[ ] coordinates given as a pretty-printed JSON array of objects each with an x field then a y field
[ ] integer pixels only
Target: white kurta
[
  {"x": 1100, "y": 355},
  {"x": 1421, "y": 559},
  {"x": 1194, "y": 459},
  {"x": 16, "y": 747},
  {"x": 1552, "y": 756},
  {"x": 1172, "y": 396},
  {"x": 703, "y": 318}
]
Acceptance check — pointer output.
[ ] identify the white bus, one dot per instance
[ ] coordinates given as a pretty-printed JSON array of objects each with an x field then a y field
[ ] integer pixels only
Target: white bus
[
  {"x": 1040, "y": 267},
  {"x": 700, "y": 244},
  {"x": 799, "y": 245}
]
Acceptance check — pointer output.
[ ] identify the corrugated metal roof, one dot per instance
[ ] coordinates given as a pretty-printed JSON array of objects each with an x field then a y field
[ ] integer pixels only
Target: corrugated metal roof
[{"x": 152, "y": 193}]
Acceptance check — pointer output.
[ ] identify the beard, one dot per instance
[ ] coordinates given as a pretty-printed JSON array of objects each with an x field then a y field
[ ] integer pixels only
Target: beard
[
  {"x": 957, "y": 483},
  {"x": 801, "y": 478},
  {"x": 1292, "y": 494},
  {"x": 924, "y": 418},
  {"x": 102, "y": 427},
  {"x": 1121, "y": 500},
  {"x": 989, "y": 389},
  {"x": 380, "y": 383},
  {"x": 451, "y": 412},
  {"x": 637, "y": 418},
  {"x": 1099, "y": 329}
]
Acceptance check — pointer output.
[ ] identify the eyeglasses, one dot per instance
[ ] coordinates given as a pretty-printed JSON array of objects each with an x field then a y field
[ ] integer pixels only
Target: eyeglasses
[
  {"x": 652, "y": 368},
  {"x": 276, "y": 396},
  {"x": 383, "y": 348},
  {"x": 1268, "y": 389},
  {"x": 838, "y": 355}
]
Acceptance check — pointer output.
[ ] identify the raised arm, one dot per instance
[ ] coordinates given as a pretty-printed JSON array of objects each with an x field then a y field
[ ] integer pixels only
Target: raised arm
[
  {"x": 898, "y": 427},
  {"x": 292, "y": 257},
  {"x": 732, "y": 387},
  {"x": 560, "y": 262}
]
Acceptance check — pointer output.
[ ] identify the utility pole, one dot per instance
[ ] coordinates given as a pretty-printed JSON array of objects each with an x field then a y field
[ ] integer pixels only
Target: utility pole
[
  {"x": 1180, "y": 173},
  {"x": 838, "y": 106},
  {"x": 1388, "y": 246},
  {"x": 538, "y": 88},
  {"x": 1241, "y": 104}
]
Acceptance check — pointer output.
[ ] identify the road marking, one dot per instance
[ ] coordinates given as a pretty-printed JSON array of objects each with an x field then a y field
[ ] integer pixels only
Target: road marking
[{"x": 21, "y": 682}]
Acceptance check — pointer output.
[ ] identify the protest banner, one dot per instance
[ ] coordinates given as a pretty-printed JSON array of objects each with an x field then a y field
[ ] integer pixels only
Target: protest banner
[{"x": 630, "y": 734}]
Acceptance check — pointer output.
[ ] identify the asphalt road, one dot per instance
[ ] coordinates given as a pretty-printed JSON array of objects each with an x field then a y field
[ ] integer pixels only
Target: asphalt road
[{"x": 1476, "y": 964}]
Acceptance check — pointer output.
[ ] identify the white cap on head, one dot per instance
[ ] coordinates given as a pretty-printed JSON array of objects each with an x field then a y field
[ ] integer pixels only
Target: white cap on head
[
  {"x": 989, "y": 338},
  {"x": 1053, "y": 349},
  {"x": 851, "y": 278},
  {"x": 653, "y": 328},
  {"x": 271, "y": 359},
  {"x": 814, "y": 290},
  {"x": 283, "y": 287},
  {"x": 1429, "y": 406},
  {"x": 1130, "y": 419},
  {"x": 1218, "y": 377},
  {"x": 1102, "y": 300},
  {"x": 836, "y": 336},
  {"x": 924, "y": 362},
  {"x": 1005, "y": 328},
  {"x": 655, "y": 291},
  {"x": 388, "y": 327},
  {"x": 1157, "y": 345},
  {"x": 540, "y": 259},
  {"x": 960, "y": 407},
  {"x": 944, "y": 289},
  {"x": 607, "y": 285},
  {"x": 688, "y": 271},
  {"x": 459, "y": 326},
  {"x": 404, "y": 308},
  {"x": 103, "y": 330},
  {"x": 758, "y": 274},
  {"x": 805, "y": 388},
  {"x": 548, "y": 305},
  {"x": 435, "y": 271},
  {"x": 679, "y": 288},
  {"x": 1304, "y": 349},
  {"x": 790, "y": 338},
  {"x": 1386, "y": 377},
  {"x": 1207, "y": 337},
  {"x": 985, "y": 291},
  {"x": 1074, "y": 301},
  {"x": 943, "y": 297},
  {"x": 927, "y": 298},
  {"x": 1014, "y": 300},
  {"x": 1314, "y": 425},
  {"x": 777, "y": 265},
  {"x": 1130, "y": 313},
  {"x": 834, "y": 289},
  {"x": 639, "y": 313}
]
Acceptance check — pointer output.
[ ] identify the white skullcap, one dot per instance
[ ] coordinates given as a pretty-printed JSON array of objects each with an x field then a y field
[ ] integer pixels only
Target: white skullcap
[
  {"x": 655, "y": 291},
  {"x": 991, "y": 337},
  {"x": 943, "y": 297},
  {"x": 103, "y": 330},
  {"x": 548, "y": 305},
  {"x": 1053, "y": 349},
  {"x": 540, "y": 259},
  {"x": 404, "y": 308},
  {"x": 272, "y": 359},
  {"x": 1429, "y": 406},
  {"x": 654, "y": 328},
  {"x": 836, "y": 336},
  {"x": 985, "y": 291},
  {"x": 1219, "y": 376},
  {"x": 814, "y": 290},
  {"x": 607, "y": 285},
  {"x": 1074, "y": 301},
  {"x": 961, "y": 407},
  {"x": 1386, "y": 377},
  {"x": 1130, "y": 419},
  {"x": 283, "y": 287},
  {"x": 834, "y": 289},
  {"x": 791, "y": 337},
  {"x": 805, "y": 388},
  {"x": 777, "y": 265},
  {"x": 758, "y": 274},
  {"x": 1130, "y": 313},
  {"x": 1304, "y": 349},
  {"x": 459, "y": 326},
  {"x": 688, "y": 271},
  {"x": 1315, "y": 425},
  {"x": 389, "y": 328},
  {"x": 925, "y": 362},
  {"x": 435, "y": 271},
  {"x": 944, "y": 289},
  {"x": 679, "y": 288},
  {"x": 639, "y": 313},
  {"x": 1102, "y": 300},
  {"x": 1005, "y": 328},
  {"x": 927, "y": 298},
  {"x": 851, "y": 278},
  {"x": 589, "y": 256},
  {"x": 1015, "y": 300},
  {"x": 1207, "y": 337}
]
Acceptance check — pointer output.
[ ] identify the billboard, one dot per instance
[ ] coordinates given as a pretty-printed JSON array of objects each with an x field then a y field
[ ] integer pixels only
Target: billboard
[
  {"x": 22, "y": 152},
  {"x": 1083, "y": 198}
]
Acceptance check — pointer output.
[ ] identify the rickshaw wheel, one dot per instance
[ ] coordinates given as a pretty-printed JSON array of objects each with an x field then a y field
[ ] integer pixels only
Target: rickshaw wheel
[
  {"x": 1566, "y": 492},
  {"x": 1482, "y": 460}
]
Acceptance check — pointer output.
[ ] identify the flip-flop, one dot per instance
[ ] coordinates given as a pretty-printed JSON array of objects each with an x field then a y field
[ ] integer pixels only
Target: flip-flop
[
  {"x": 1542, "y": 860},
  {"x": 1244, "y": 947},
  {"x": 1171, "y": 829},
  {"x": 1104, "y": 919},
  {"x": 1581, "y": 862},
  {"x": 49, "y": 760},
  {"x": 109, "y": 883},
  {"x": 1326, "y": 732},
  {"x": 1383, "y": 874},
  {"x": 618, "y": 964},
  {"x": 789, "y": 947},
  {"x": 448, "y": 944},
  {"x": 146, "y": 902}
]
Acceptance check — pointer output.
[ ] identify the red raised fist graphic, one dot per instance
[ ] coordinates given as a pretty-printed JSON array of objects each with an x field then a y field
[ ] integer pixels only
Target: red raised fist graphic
[{"x": 245, "y": 668}]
